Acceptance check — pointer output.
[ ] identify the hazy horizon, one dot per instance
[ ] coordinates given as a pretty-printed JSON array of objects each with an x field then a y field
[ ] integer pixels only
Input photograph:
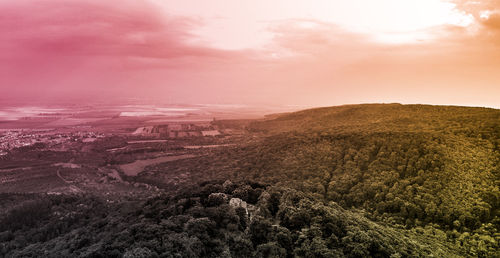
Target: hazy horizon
[{"x": 324, "y": 53}]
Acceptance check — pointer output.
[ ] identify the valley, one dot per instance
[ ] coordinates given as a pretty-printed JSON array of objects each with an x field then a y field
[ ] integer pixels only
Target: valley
[{"x": 357, "y": 180}]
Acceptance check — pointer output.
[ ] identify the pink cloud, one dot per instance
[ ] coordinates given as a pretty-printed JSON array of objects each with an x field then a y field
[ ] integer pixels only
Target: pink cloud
[
  {"x": 93, "y": 28},
  {"x": 60, "y": 47},
  {"x": 56, "y": 50}
]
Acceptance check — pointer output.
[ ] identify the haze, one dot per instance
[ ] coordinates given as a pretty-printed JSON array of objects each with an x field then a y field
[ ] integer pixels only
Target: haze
[{"x": 296, "y": 52}]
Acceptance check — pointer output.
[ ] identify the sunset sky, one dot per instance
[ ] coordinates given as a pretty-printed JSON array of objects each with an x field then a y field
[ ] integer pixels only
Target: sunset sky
[{"x": 289, "y": 52}]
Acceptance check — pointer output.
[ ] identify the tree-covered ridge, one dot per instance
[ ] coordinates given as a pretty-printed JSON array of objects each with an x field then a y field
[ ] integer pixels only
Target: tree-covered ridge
[
  {"x": 409, "y": 165},
  {"x": 387, "y": 117},
  {"x": 380, "y": 172},
  {"x": 356, "y": 181},
  {"x": 213, "y": 219}
]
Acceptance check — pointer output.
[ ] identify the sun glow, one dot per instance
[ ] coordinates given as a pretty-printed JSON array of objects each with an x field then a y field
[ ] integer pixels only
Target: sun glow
[
  {"x": 307, "y": 52},
  {"x": 392, "y": 21},
  {"x": 243, "y": 25},
  {"x": 400, "y": 21}
]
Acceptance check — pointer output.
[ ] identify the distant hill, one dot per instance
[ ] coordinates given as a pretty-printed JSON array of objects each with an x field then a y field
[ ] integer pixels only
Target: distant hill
[
  {"x": 414, "y": 166},
  {"x": 406, "y": 164},
  {"x": 384, "y": 117}
]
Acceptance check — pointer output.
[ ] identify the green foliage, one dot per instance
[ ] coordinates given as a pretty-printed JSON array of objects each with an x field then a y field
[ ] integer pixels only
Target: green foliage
[
  {"x": 352, "y": 181},
  {"x": 405, "y": 165},
  {"x": 189, "y": 225}
]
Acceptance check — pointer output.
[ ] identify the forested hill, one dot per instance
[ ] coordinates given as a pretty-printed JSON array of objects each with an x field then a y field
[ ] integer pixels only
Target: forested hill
[
  {"x": 377, "y": 180},
  {"x": 411, "y": 165},
  {"x": 387, "y": 117}
]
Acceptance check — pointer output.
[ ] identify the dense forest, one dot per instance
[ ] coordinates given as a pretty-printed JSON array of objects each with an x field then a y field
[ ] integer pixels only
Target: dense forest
[{"x": 381, "y": 180}]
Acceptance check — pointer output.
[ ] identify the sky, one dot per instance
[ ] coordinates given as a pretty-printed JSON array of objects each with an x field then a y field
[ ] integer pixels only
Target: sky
[{"x": 283, "y": 52}]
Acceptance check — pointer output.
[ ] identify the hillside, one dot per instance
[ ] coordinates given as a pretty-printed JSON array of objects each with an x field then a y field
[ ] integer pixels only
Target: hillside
[
  {"x": 382, "y": 180},
  {"x": 369, "y": 155},
  {"x": 409, "y": 165},
  {"x": 413, "y": 166},
  {"x": 386, "y": 117}
]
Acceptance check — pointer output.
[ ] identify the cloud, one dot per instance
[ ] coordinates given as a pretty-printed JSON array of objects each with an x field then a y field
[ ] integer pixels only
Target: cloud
[
  {"x": 54, "y": 50},
  {"x": 326, "y": 64},
  {"x": 486, "y": 12},
  {"x": 492, "y": 21},
  {"x": 132, "y": 28},
  {"x": 64, "y": 48}
]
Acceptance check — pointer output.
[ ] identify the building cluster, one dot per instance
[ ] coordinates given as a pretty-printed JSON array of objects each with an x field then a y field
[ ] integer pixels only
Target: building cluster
[
  {"x": 21, "y": 138},
  {"x": 178, "y": 130}
]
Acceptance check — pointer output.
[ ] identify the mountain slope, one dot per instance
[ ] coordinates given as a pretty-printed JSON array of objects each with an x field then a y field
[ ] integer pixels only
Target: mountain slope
[
  {"x": 375, "y": 180},
  {"x": 406, "y": 165}
]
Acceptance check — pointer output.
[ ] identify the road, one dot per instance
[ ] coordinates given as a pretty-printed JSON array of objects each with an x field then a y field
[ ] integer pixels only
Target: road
[{"x": 73, "y": 188}]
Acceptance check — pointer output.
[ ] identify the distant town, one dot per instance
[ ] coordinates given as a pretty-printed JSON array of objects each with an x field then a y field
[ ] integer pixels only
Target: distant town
[
  {"x": 17, "y": 138},
  {"x": 51, "y": 138},
  {"x": 182, "y": 130}
]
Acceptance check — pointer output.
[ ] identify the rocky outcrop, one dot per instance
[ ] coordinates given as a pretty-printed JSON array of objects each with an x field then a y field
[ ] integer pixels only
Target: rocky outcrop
[{"x": 250, "y": 209}]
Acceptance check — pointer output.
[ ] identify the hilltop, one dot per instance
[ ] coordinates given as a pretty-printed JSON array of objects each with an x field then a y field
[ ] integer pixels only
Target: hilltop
[
  {"x": 411, "y": 166},
  {"x": 383, "y": 117}
]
